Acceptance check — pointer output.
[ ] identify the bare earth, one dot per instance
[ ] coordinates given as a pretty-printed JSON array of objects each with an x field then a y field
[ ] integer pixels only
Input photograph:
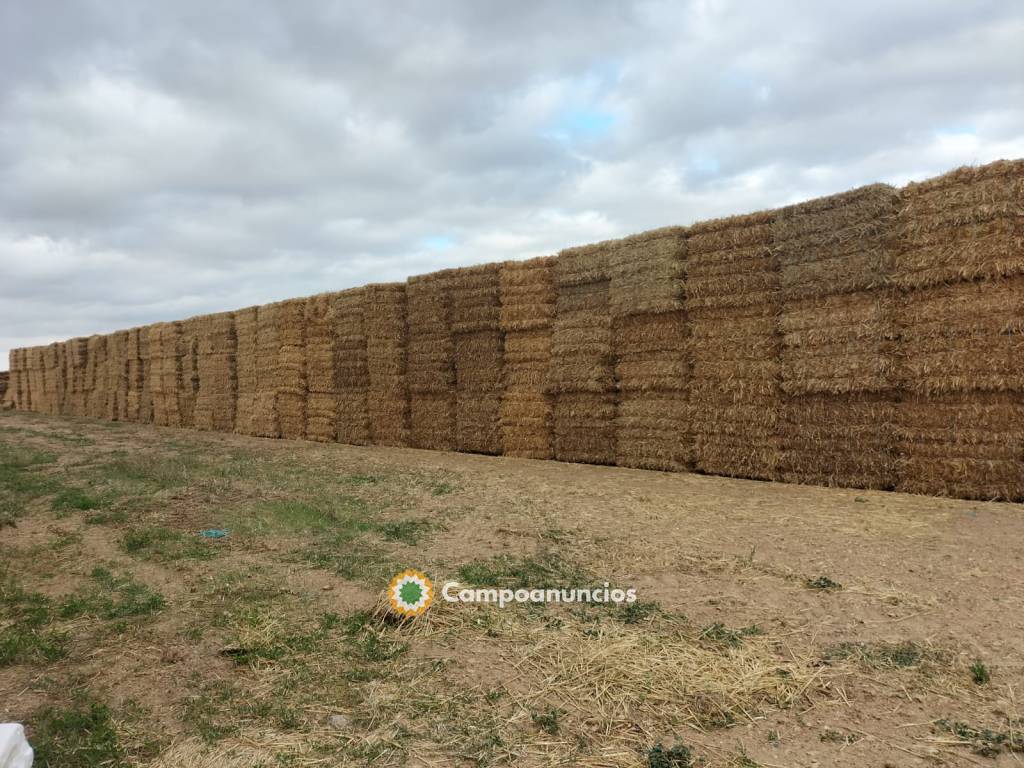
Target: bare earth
[{"x": 778, "y": 625}]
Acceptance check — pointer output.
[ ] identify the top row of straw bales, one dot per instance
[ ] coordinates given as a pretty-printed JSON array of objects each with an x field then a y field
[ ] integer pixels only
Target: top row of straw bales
[{"x": 871, "y": 339}]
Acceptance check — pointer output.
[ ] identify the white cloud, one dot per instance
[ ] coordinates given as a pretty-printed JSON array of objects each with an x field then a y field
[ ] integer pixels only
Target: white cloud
[{"x": 166, "y": 159}]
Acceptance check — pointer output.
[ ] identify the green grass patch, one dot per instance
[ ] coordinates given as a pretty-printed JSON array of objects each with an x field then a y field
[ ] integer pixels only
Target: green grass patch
[
  {"x": 75, "y": 499},
  {"x": 22, "y": 479},
  {"x": 881, "y": 655},
  {"x": 25, "y": 637},
  {"x": 546, "y": 570},
  {"x": 721, "y": 635},
  {"x": 152, "y": 472},
  {"x": 112, "y": 597},
  {"x": 166, "y": 544},
  {"x": 81, "y": 735}
]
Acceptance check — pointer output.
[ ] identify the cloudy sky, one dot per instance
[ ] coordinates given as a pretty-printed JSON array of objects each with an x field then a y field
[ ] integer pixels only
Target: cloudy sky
[{"x": 159, "y": 160}]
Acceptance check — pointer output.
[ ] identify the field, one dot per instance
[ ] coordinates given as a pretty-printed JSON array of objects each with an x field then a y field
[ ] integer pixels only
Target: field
[{"x": 777, "y": 625}]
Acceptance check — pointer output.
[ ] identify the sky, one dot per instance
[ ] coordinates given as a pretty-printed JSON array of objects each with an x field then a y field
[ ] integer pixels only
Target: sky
[{"x": 161, "y": 160}]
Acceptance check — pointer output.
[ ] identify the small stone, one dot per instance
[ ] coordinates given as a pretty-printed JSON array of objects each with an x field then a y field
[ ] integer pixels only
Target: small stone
[{"x": 339, "y": 722}]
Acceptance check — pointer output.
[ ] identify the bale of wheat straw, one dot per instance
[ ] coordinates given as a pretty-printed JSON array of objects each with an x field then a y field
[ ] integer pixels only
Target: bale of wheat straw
[
  {"x": 964, "y": 225},
  {"x": 962, "y": 444},
  {"x": 386, "y": 345},
  {"x": 839, "y": 440},
  {"x": 962, "y": 337},
  {"x": 584, "y": 427},
  {"x": 188, "y": 381},
  {"x": 646, "y": 272}
]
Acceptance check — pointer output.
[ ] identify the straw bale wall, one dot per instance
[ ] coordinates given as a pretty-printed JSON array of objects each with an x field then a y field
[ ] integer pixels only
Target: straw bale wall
[{"x": 869, "y": 339}]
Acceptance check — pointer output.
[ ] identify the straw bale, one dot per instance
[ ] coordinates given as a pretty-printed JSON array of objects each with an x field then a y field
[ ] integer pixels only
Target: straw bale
[
  {"x": 478, "y": 422},
  {"x": 836, "y": 244},
  {"x": 476, "y": 303},
  {"x": 216, "y": 350},
  {"x": 5, "y": 381},
  {"x": 584, "y": 427},
  {"x": 652, "y": 431},
  {"x": 265, "y": 421},
  {"x": 96, "y": 375},
  {"x": 582, "y": 265},
  {"x": 965, "y": 225},
  {"x": 432, "y": 421},
  {"x": 352, "y": 423},
  {"x": 527, "y": 294},
  {"x": 581, "y": 344},
  {"x": 353, "y": 418},
  {"x": 386, "y": 341},
  {"x": 322, "y": 417},
  {"x": 647, "y": 272},
  {"x": 652, "y": 352},
  {"x": 839, "y": 440},
  {"x": 964, "y": 336},
  {"x": 962, "y": 444}
]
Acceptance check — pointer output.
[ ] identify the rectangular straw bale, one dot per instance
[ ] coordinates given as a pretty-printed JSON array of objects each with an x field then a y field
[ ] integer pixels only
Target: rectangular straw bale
[
  {"x": 584, "y": 427},
  {"x": 527, "y": 294},
  {"x": 476, "y": 303},
  {"x": 352, "y": 368},
  {"x": 432, "y": 421},
  {"x": 839, "y": 440},
  {"x": 836, "y": 244},
  {"x": 647, "y": 272},
  {"x": 581, "y": 345},
  {"x": 479, "y": 360},
  {"x": 837, "y": 344},
  {"x": 961, "y": 337},
  {"x": 216, "y": 346},
  {"x": 292, "y": 392},
  {"x": 478, "y": 423},
  {"x": 146, "y": 392},
  {"x": 5, "y": 381},
  {"x": 729, "y": 263},
  {"x": 583, "y": 264},
  {"x": 386, "y": 346},
  {"x": 652, "y": 431},
  {"x": 116, "y": 376},
  {"x": 652, "y": 352},
  {"x": 965, "y": 225},
  {"x": 962, "y": 444}
]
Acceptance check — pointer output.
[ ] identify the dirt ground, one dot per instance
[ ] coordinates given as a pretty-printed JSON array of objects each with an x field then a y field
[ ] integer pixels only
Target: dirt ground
[{"x": 776, "y": 625}]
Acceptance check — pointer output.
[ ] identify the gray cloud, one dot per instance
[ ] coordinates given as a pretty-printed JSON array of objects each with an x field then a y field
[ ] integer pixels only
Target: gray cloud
[{"x": 160, "y": 160}]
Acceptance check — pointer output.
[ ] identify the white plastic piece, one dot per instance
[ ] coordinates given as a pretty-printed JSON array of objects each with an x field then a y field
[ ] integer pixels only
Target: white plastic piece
[{"x": 15, "y": 751}]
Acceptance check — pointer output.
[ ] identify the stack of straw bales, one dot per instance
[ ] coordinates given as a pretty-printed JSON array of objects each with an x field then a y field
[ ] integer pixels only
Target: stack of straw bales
[
  {"x": 321, "y": 371},
  {"x": 188, "y": 382},
  {"x": 134, "y": 378},
  {"x": 14, "y": 396},
  {"x": 528, "y": 299},
  {"x": 245, "y": 369},
  {"x": 5, "y": 381},
  {"x": 52, "y": 378},
  {"x": 165, "y": 372},
  {"x": 960, "y": 271},
  {"x": 386, "y": 332},
  {"x": 651, "y": 355},
  {"x": 74, "y": 360},
  {"x": 96, "y": 376},
  {"x": 352, "y": 376},
  {"x": 732, "y": 303},
  {"x": 215, "y": 364},
  {"x": 479, "y": 351},
  {"x": 291, "y": 368},
  {"x": 581, "y": 376},
  {"x": 265, "y": 420},
  {"x": 838, "y": 338},
  {"x": 117, "y": 376},
  {"x": 431, "y": 361}
]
